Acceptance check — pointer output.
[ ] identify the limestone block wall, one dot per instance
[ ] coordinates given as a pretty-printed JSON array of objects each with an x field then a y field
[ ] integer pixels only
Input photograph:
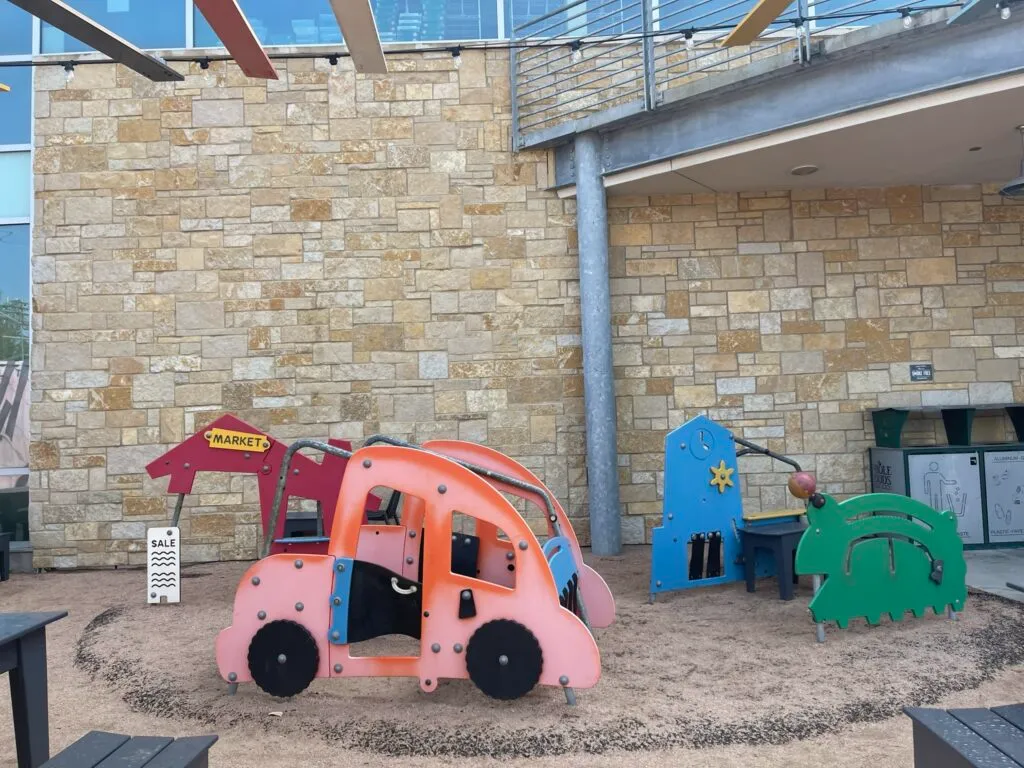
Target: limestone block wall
[
  {"x": 788, "y": 315},
  {"x": 326, "y": 256}
]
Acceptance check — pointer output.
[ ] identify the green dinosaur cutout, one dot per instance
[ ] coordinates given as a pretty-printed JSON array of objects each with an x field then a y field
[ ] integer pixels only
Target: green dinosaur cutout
[{"x": 881, "y": 553}]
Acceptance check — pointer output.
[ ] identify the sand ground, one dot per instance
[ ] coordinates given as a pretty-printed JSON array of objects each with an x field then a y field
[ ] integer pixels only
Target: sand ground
[{"x": 707, "y": 677}]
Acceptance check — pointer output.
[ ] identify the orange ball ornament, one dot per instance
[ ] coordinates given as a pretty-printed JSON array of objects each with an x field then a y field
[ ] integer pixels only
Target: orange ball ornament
[{"x": 802, "y": 484}]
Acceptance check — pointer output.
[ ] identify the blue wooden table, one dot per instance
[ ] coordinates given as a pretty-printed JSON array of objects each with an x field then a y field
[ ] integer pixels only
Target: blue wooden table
[{"x": 23, "y": 658}]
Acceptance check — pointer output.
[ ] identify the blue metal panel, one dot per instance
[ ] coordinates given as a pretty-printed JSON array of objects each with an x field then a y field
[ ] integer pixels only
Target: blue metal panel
[
  {"x": 338, "y": 633},
  {"x": 303, "y": 540},
  {"x": 695, "y": 454},
  {"x": 562, "y": 564}
]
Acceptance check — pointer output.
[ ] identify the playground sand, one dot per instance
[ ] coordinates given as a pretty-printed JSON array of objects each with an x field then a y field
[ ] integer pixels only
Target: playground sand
[{"x": 714, "y": 677}]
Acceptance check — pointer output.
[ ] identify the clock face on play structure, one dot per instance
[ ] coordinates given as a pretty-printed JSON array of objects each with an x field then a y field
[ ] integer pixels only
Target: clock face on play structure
[{"x": 703, "y": 444}]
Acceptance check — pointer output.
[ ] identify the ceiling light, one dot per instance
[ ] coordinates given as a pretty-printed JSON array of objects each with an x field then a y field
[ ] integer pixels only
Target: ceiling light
[
  {"x": 1015, "y": 188},
  {"x": 804, "y": 170}
]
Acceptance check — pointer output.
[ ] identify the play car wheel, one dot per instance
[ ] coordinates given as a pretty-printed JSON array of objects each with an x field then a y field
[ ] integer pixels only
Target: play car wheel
[
  {"x": 504, "y": 659},
  {"x": 283, "y": 658}
]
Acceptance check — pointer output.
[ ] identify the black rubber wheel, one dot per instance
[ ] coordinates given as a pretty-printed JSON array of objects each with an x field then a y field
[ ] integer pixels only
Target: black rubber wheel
[
  {"x": 283, "y": 658},
  {"x": 504, "y": 659}
]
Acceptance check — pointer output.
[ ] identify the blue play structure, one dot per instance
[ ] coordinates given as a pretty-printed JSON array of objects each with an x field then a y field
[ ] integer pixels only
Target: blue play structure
[{"x": 698, "y": 543}]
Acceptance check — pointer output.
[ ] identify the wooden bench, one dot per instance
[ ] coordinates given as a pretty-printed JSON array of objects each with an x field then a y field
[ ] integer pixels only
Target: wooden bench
[
  {"x": 99, "y": 749},
  {"x": 968, "y": 738}
]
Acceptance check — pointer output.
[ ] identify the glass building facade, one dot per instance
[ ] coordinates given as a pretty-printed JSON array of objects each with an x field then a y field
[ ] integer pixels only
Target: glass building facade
[{"x": 16, "y": 43}]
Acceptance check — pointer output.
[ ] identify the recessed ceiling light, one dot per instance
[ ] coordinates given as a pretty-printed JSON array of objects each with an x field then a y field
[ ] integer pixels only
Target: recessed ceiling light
[
  {"x": 974, "y": 149},
  {"x": 804, "y": 170}
]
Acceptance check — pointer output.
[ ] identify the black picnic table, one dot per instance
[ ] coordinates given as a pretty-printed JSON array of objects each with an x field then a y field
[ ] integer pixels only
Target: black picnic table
[
  {"x": 968, "y": 738},
  {"x": 99, "y": 749},
  {"x": 23, "y": 658}
]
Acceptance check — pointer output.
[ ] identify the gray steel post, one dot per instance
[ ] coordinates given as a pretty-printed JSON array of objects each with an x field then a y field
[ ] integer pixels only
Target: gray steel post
[
  {"x": 650, "y": 76},
  {"x": 598, "y": 381}
]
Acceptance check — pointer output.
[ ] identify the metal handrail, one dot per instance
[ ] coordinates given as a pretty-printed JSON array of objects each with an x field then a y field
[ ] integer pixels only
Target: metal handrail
[{"x": 616, "y": 52}]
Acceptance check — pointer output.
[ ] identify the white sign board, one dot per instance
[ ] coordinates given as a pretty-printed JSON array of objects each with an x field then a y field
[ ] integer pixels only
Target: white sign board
[
  {"x": 1004, "y": 492},
  {"x": 163, "y": 565},
  {"x": 950, "y": 481}
]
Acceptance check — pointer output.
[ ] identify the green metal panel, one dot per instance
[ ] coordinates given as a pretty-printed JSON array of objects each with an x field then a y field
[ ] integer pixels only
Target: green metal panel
[
  {"x": 888, "y": 425},
  {"x": 881, "y": 553}
]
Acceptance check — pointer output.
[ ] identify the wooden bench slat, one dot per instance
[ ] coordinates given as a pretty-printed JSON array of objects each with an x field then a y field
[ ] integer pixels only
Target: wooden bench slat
[
  {"x": 997, "y": 731},
  {"x": 1012, "y": 712},
  {"x": 189, "y": 752},
  {"x": 136, "y": 752},
  {"x": 88, "y": 751},
  {"x": 955, "y": 737}
]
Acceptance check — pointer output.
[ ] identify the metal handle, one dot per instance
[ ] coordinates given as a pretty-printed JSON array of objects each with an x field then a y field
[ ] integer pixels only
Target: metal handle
[
  {"x": 399, "y": 590},
  {"x": 755, "y": 448}
]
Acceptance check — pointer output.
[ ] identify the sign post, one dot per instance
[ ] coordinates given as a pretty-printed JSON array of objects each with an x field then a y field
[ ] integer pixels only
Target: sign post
[{"x": 163, "y": 565}]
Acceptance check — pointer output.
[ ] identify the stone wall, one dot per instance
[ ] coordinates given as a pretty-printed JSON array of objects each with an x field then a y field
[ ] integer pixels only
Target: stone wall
[
  {"x": 322, "y": 256},
  {"x": 332, "y": 257},
  {"x": 788, "y": 315}
]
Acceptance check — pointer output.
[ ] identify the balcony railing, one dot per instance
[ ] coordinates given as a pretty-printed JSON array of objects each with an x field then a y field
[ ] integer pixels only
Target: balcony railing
[{"x": 587, "y": 62}]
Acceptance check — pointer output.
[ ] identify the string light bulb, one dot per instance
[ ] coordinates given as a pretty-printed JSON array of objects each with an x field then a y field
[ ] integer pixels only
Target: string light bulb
[
  {"x": 689, "y": 41},
  {"x": 204, "y": 65},
  {"x": 907, "y": 19},
  {"x": 457, "y": 57},
  {"x": 577, "y": 53},
  {"x": 69, "y": 73},
  {"x": 1004, "y": 12},
  {"x": 333, "y": 60}
]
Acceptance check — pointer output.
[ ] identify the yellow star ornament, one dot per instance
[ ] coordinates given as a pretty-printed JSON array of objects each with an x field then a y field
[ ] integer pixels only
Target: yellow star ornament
[{"x": 722, "y": 476}]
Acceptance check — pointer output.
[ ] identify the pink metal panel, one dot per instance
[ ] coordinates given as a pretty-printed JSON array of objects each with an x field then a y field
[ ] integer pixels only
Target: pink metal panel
[
  {"x": 231, "y": 26},
  {"x": 596, "y": 594},
  {"x": 568, "y": 647},
  {"x": 385, "y": 546},
  {"x": 281, "y": 585}
]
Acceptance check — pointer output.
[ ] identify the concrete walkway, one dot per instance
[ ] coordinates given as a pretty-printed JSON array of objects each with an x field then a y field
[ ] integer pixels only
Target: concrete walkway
[{"x": 989, "y": 570}]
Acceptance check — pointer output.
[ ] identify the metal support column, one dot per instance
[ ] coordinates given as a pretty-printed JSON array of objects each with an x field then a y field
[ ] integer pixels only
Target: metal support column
[
  {"x": 650, "y": 76},
  {"x": 598, "y": 381}
]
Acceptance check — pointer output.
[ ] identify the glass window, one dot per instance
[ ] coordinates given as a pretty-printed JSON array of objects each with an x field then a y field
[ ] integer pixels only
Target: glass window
[
  {"x": 15, "y": 30},
  {"x": 16, "y": 105},
  {"x": 14, "y": 507},
  {"x": 311, "y": 22},
  {"x": 16, "y": 190},
  {"x": 524, "y": 11},
  {"x": 146, "y": 24},
  {"x": 717, "y": 16},
  {"x": 298, "y": 22},
  {"x": 14, "y": 264}
]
